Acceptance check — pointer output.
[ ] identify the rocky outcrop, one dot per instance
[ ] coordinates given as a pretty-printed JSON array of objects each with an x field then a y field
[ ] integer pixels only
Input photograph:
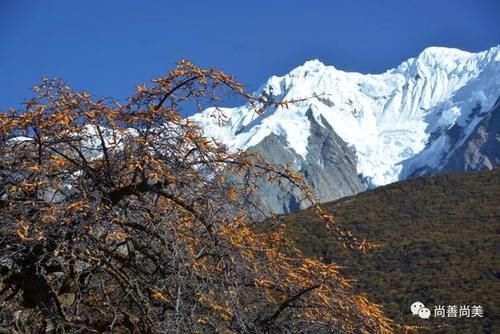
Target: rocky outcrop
[
  {"x": 481, "y": 149},
  {"x": 330, "y": 168}
]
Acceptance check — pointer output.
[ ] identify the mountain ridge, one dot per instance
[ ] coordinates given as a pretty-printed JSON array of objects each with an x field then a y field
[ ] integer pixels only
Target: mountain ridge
[{"x": 397, "y": 122}]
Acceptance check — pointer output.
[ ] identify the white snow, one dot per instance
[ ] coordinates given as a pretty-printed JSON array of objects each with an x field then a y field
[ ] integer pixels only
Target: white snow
[{"x": 386, "y": 117}]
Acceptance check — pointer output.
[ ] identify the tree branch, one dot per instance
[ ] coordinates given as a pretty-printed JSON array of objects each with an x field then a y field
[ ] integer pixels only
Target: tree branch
[
  {"x": 170, "y": 92},
  {"x": 287, "y": 303}
]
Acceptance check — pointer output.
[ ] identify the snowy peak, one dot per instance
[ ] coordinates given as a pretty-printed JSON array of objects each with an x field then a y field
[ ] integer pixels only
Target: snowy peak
[
  {"x": 396, "y": 121},
  {"x": 443, "y": 56},
  {"x": 310, "y": 66},
  {"x": 449, "y": 57}
]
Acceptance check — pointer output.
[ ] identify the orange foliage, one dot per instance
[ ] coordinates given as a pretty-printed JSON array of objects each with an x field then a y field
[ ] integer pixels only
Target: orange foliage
[{"x": 130, "y": 204}]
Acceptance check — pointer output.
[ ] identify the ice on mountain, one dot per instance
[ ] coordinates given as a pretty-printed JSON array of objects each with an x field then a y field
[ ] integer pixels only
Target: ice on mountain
[{"x": 392, "y": 119}]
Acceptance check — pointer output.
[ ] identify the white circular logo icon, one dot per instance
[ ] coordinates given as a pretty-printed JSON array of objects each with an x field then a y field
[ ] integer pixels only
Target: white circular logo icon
[
  {"x": 424, "y": 313},
  {"x": 415, "y": 307}
]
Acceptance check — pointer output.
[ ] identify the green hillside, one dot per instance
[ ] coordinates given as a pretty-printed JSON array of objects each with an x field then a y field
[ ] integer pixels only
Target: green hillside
[{"x": 441, "y": 245}]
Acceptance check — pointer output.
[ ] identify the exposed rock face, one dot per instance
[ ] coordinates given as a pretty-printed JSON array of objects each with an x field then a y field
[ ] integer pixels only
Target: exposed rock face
[
  {"x": 270, "y": 196},
  {"x": 481, "y": 149},
  {"x": 330, "y": 168}
]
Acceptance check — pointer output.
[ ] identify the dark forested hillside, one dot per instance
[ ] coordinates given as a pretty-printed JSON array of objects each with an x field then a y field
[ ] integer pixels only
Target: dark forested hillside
[{"x": 440, "y": 244}]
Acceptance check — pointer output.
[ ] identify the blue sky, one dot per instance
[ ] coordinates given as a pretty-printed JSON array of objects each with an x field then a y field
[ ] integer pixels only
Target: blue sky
[{"x": 108, "y": 46}]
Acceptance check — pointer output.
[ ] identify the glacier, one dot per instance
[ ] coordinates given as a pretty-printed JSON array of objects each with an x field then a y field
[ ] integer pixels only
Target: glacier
[{"x": 397, "y": 122}]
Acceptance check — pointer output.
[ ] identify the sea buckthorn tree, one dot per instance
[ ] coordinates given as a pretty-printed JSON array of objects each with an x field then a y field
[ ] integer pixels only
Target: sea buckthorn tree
[{"x": 122, "y": 217}]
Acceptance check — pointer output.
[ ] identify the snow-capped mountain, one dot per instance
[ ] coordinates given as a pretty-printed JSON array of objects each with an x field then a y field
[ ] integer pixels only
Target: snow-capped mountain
[{"x": 403, "y": 122}]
